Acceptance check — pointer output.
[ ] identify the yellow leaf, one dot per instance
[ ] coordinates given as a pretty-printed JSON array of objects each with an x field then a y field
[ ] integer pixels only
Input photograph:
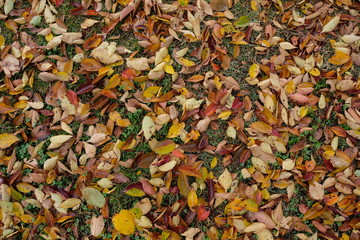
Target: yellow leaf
[
  {"x": 164, "y": 147},
  {"x": 25, "y": 187},
  {"x": 224, "y": 115},
  {"x": 183, "y": 2},
  {"x": 254, "y": 5},
  {"x": 135, "y": 192},
  {"x": 2, "y": 41},
  {"x": 137, "y": 213},
  {"x": 261, "y": 127},
  {"x": 260, "y": 165},
  {"x": 169, "y": 69},
  {"x": 113, "y": 82},
  {"x": 290, "y": 87},
  {"x": 186, "y": 62},
  {"x": 303, "y": 111},
  {"x": 339, "y": 58},
  {"x": 124, "y": 222},
  {"x": 192, "y": 199},
  {"x": 49, "y": 37},
  {"x": 213, "y": 162},
  {"x": 63, "y": 76},
  {"x": 231, "y": 132},
  {"x": 225, "y": 179},
  {"x": 6, "y": 140},
  {"x": 70, "y": 203},
  {"x": 315, "y": 72},
  {"x": 251, "y": 205},
  {"x": 254, "y": 70},
  {"x": 175, "y": 130},
  {"x": 151, "y": 91}
]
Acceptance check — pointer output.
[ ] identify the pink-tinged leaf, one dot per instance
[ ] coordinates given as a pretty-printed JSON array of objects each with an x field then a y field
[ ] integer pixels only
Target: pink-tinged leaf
[
  {"x": 264, "y": 218},
  {"x": 147, "y": 187},
  {"x": 299, "y": 98},
  {"x": 58, "y": 2}
]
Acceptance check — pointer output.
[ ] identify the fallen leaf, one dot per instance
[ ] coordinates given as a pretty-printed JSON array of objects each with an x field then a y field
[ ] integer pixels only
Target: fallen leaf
[
  {"x": 6, "y": 140},
  {"x": 97, "y": 225},
  {"x": 124, "y": 222},
  {"x": 316, "y": 191},
  {"x": 331, "y": 25},
  {"x": 225, "y": 179},
  {"x": 93, "y": 197}
]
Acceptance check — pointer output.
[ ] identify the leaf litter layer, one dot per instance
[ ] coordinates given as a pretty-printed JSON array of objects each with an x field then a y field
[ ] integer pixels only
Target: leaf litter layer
[{"x": 179, "y": 119}]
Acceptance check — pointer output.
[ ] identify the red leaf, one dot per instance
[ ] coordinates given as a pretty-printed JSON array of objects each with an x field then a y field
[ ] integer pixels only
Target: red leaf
[
  {"x": 72, "y": 96},
  {"x": 58, "y": 2},
  {"x": 202, "y": 213}
]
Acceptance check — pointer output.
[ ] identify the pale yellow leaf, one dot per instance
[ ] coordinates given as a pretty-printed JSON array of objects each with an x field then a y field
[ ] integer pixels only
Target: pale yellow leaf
[
  {"x": 70, "y": 203},
  {"x": 148, "y": 127},
  {"x": 331, "y": 25},
  {"x": 140, "y": 64},
  {"x": 255, "y": 227},
  {"x": 260, "y": 165},
  {"x": 225, "y": 179}
]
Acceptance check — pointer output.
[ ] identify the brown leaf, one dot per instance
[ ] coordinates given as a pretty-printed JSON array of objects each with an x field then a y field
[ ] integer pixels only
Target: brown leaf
[{"x": 316, "y": 191}]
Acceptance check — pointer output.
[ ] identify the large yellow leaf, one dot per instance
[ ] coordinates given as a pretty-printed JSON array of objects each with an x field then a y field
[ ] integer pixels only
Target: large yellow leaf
[
  {"x": 339, "y": 58},
  {"x": 7, "y": 139},
  {"x": 124, "y": 222}
]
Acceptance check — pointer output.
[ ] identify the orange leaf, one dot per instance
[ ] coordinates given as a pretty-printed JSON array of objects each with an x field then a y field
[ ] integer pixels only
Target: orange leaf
[
  {"x": 261, "y": 127},
  {"x": 339, "y": 131},
  {"x": 330, "y": 199},
  {"x": 339, "y": 58},
  {"x": 108, "y": 93},
  {"x": 90, "y": 65},
  {"x": 189, "y": 171}
]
